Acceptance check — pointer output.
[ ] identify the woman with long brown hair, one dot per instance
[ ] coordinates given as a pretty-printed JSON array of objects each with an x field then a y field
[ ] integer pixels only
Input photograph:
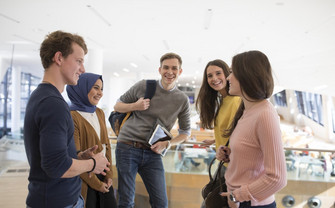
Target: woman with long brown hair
[
  {"x": 257, "y": 168},
  {"x": 215, "y": 105}
]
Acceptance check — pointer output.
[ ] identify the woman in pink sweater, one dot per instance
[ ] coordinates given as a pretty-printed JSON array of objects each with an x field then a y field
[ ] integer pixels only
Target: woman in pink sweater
[{"x": 257, "y": 168}]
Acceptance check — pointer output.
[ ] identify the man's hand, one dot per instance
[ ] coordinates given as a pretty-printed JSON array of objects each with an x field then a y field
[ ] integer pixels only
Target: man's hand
[
  {"x": 142, "y": 104},
  {"x": 87, "y": 154},
  {"x": 207, "y": 142},
  {"x": 101, "y": 164},
  {"x": 159, "y": 146},
  {"x": 223, "y": 153}
]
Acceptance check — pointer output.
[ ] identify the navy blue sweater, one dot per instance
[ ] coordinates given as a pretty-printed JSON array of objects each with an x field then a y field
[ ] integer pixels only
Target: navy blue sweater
[{"x": 49, "y": 143}]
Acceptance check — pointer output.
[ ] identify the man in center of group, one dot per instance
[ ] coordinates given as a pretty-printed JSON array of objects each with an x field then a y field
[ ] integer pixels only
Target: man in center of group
[{"x": 133, "y": 153}]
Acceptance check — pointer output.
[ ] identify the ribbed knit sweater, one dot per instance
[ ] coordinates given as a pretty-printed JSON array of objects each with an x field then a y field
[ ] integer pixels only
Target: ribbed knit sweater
[{"x": 257, "y": 163}]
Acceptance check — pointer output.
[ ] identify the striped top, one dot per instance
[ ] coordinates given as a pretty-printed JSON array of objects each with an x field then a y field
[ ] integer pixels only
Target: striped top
[{"x": 257, "y": 162}]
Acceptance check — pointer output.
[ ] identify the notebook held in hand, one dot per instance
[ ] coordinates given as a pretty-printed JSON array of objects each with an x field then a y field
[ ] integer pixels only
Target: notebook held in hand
[{"x": 159, "y": 133}]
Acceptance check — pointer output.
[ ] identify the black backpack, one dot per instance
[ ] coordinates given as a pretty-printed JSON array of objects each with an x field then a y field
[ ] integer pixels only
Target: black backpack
[{"x": 117, "y": 119}]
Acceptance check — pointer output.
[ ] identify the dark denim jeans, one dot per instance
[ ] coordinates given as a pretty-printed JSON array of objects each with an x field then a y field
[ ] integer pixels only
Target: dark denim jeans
[
  {"x": 79, "y": 204},
  {"x": 248, "y": 204},
  {"x": 129, "y": 162}
]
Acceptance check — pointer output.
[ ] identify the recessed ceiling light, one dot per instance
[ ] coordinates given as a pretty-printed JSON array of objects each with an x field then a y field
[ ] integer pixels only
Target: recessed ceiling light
[
  {"x": 99, "y": 15},
  {"x": 133, "y": 65},
  {"x": 165, "y": 43},
  {"x": 116, "y": 74},
  {"x": 125, "y": 70},
  {"x": 9, "y": 18},
  {"x": 208, "y": 18}
]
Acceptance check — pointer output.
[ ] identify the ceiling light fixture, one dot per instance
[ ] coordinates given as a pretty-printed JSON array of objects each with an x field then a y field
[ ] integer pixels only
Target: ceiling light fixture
[
  {"x": 99, "y": 15},
  {"x": 133, "y": 65},
  {"x": 125, "y": 70},
  {"x": 146, "y": 58},
  {"x": 9, "y": 18},
  {"x": 166, "y": 45},
  {"x": 208, "y": 18},
  {"x": 116, "y": 74}
]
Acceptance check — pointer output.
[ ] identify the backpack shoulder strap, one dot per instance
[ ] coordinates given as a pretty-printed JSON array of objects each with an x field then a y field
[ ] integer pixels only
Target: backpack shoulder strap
[{"x": 150, "y": 89}]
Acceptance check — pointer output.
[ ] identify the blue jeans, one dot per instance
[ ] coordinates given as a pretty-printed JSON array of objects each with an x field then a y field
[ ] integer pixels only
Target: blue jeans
[
  {"x": 129, "y": 162},
  {"x": 79, "y": 204},
  {"x": 248, "y": 205}
]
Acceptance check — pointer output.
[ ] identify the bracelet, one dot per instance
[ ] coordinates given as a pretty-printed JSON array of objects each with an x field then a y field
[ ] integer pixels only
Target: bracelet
[{"x": 94, "y": 164}]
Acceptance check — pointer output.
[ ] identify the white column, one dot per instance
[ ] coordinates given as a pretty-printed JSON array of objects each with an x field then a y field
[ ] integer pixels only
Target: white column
[
  {"x": 16, "y": 101},
  {"x": 94, "y": 61}
]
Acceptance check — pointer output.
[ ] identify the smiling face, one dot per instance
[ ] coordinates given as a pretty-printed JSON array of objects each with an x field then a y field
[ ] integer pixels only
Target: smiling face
[
  {"x": 216, "y": 78},
  {"x": 95, "y": 93},
  {"x": 170, "y": 71},
  {"x": 72, "y": 66}
]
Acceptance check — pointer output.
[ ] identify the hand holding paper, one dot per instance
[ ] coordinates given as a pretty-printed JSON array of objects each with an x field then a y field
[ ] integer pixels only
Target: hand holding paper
[
  {"x": 159, "y": 147},
  {"x": 158, "y": 139}
]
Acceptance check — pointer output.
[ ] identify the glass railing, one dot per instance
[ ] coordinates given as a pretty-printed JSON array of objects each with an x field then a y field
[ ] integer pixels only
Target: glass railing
[
  {"x": 301, "y": 163},
  {"x": 306, "y": 164}
]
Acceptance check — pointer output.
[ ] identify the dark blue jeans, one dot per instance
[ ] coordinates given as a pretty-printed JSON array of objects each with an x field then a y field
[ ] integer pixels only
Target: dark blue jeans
[
  {"x": 79, "y": 204},
  {"x": 248, "y": 204},
  {"x": 129, "y": 162}
]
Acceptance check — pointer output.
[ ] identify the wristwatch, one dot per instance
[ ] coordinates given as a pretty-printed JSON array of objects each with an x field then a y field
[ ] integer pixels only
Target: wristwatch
[{"x": 232, "y": 197}]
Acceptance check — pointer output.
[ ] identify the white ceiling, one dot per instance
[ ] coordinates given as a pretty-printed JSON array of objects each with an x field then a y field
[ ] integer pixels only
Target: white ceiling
[{"x": 298, "y": 36}]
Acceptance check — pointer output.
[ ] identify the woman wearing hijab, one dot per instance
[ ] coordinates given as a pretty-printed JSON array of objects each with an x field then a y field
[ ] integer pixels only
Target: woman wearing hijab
[{"x": 90, "y": 130}]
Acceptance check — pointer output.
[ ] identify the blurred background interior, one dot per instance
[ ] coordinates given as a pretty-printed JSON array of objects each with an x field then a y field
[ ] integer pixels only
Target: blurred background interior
[{"x": 126, "y": 38}]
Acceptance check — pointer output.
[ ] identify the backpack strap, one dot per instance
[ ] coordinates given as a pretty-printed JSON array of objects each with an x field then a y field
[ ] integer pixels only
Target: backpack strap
[{"x": 150, "y": 89}]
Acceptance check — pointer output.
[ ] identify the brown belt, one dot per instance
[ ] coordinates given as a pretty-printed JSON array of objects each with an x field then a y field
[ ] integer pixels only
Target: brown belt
[{"x": 137, "y": 145}]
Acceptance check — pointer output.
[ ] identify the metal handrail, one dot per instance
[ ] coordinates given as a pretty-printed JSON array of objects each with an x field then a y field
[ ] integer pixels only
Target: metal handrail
[{"x": 189, "y": 143}]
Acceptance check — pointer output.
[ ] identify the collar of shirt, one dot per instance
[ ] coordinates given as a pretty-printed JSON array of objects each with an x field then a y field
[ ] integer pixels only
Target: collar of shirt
[{"x": 160, "y": 84}]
